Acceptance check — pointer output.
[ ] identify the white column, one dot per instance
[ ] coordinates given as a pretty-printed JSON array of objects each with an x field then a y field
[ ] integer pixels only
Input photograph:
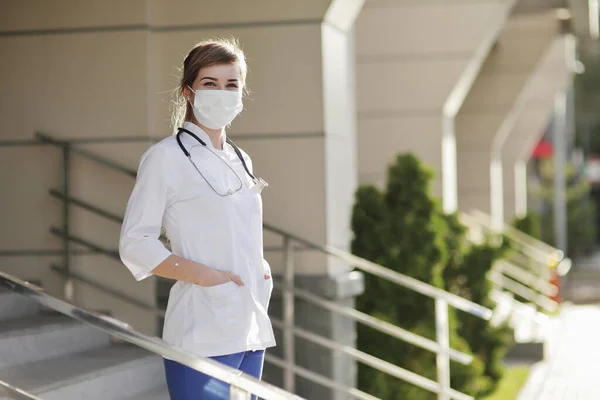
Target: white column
[{"x": 520, "y": 171}]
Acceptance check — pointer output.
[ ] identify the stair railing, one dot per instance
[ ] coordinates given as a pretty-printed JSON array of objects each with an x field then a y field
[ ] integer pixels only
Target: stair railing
[
  {"x": 15, "y": 393},
  {"x": 528, "y": 267},
  {"x": 242, "y": 385},
  {"x": 443, "y": 299}
]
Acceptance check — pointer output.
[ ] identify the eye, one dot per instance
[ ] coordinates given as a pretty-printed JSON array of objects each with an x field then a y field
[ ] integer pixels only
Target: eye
[
  {"x": 232, "y": 86},
  {"x": 209, "y": 83}
]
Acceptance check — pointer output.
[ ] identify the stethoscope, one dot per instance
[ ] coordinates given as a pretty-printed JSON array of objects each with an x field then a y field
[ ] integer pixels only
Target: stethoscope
[{"x": 258, "y": 183}]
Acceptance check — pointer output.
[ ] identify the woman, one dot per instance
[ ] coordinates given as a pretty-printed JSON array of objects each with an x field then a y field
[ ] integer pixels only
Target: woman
[{"x": 199, "y": 186}]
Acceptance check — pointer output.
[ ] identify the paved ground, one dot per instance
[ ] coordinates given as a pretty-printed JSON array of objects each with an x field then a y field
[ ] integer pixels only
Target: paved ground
[
  {"x": 589, "y": 263},
  {"x": 571, "y": 370},
  {"x": 582, "y": 283}
]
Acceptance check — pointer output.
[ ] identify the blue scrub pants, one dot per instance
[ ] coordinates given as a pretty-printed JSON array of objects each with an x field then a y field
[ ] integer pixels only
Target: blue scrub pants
[{"x": 186, "y": 383}]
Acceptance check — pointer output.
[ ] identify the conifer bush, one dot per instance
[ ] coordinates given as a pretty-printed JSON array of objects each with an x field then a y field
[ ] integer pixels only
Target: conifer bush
[{"x": 403, "y": 229}]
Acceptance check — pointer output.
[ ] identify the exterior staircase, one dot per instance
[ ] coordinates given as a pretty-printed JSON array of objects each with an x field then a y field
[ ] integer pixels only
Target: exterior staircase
[{"x": 54, "y": 356}]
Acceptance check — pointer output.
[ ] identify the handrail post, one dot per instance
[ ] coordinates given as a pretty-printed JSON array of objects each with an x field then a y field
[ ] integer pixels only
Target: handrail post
[
  {"x": 442, "y": 333},
  {"x": 288, "y": 315},
  {"x": 66, "y": 177},
  {"x": 236, "y": 393}
]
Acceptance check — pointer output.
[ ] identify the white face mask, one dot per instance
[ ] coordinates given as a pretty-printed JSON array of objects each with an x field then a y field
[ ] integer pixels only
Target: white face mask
[{"x": 216, "y": 109}]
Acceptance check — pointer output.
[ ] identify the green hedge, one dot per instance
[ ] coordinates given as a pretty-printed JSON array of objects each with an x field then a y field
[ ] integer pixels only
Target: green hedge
[
  {"x": 529, "y": 224},
  {"x": 403, "y": 228}
]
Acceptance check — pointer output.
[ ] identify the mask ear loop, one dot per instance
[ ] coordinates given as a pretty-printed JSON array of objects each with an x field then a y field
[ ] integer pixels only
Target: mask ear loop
[{"x": 189, "y": 99}]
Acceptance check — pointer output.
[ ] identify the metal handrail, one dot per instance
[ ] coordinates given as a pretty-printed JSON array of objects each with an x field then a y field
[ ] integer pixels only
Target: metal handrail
[
  {"x": 540, "y": 248},
  {"x": 375, "y": 323},
  {"x": 114, "y": 254},
  {"x": 442, "y": 298},
  {"x": 531, "y": 282},
  {"x": 360, "y": 263},
  {"x": 240, "y": 382},
  {"x": 520, "y": 259},
  {"x": 526, "y": 277},
  {"x": 380, "y": 325},
  {"x": 358, "y": 316},
  {"x": 269, "y": 358},
  {"x": 374, "y": 362},
  {"x": 90, "y": 156},
  {"x": 390, "y": 275},
  {"x": 15, "y": 393},
  {"x": 103, "y": 288},
  {"x": 529, "y": 266},
  {"x": 522, "y": 290},
  {"x": 320, "y": 379},
  {"x": 366, "y": 319}
]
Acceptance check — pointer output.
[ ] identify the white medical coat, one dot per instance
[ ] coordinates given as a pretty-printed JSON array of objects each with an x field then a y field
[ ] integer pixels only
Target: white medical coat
[{"x": 224, "y": 233}]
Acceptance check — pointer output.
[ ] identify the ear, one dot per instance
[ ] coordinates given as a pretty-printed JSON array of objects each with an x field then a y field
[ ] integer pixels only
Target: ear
[{"x": 187, "y": 94}]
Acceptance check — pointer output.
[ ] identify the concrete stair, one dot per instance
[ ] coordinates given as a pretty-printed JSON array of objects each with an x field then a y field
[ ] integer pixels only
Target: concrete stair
[{"x": 55, "y": 357}]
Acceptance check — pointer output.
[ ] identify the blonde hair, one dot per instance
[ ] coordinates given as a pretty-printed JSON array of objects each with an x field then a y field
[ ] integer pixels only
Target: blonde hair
[{"x": 205, "y": 54}]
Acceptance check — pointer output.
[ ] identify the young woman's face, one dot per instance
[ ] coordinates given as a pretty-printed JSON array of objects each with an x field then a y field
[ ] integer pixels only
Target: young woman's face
[{"x": 219, "y": 77}]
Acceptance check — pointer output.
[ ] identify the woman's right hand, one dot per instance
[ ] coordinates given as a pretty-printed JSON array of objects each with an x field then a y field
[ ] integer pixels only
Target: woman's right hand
[{"x": 217, "y": 277}]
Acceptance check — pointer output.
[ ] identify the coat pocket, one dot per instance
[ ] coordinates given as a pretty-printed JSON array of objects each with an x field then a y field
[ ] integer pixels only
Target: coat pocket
[{"x": 218, "y": 313}]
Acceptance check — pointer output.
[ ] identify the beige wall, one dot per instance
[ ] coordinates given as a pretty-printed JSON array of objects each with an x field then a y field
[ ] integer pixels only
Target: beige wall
[
  {"x": 579, "y": 10},
  {"x": 104, "y": 69},
  {"x": 505, "y": 75},
  {"x": 553, "y": 75},
  {"x": 410, "y": 56},
  {"x": 70, "y": 85}
]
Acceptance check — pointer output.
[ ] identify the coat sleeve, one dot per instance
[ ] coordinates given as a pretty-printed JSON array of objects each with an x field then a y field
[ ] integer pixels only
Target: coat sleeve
[{"x": 140, "y": 248}]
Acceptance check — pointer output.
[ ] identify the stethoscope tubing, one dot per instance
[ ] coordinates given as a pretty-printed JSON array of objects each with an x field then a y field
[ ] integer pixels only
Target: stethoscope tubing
[{"x": 235, "y": 148}]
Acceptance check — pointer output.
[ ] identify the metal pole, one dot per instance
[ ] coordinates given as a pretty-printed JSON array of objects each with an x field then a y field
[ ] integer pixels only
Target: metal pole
[
  {"x": 235, "y": 393},
  {"x": 68, "y": 288},
  {"x": 520, "y": 171},
  {"x": 288, "y": 316},
  {"x": 442, "y": 334},
  {"x": 560, "y": 154},
  {"x": 594, "y": 23}
]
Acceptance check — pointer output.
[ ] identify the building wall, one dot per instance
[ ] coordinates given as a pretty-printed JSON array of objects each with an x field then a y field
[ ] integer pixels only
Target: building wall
[
  {"x": 553, "y": 75},
  {"x": 105, "y": 69},
  {"x": 410, "y": 57},
  {"x": 494, "y": 96},
  {"x": 68, "y": 70}
]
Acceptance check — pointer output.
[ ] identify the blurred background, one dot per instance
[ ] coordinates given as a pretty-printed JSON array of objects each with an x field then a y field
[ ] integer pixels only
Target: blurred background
[{"x": 432, "y": 218}]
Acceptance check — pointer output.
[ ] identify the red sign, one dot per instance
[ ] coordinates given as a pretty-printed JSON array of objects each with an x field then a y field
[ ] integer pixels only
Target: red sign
[{"x": 543, "y": 149}]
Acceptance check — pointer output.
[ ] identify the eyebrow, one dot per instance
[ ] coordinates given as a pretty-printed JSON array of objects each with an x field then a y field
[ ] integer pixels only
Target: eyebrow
[{"x": 215, "y": 79}]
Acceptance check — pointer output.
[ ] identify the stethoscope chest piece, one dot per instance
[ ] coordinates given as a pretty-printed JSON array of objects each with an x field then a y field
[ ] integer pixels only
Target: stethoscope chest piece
[{"x": 259, "y": 185}]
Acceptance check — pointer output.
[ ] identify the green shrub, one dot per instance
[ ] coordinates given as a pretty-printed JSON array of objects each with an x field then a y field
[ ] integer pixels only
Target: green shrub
[
  {"x": 466, "y": 275},
  {"x": 529, "y": 224},
  {"x": 403, "y": 229}
]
